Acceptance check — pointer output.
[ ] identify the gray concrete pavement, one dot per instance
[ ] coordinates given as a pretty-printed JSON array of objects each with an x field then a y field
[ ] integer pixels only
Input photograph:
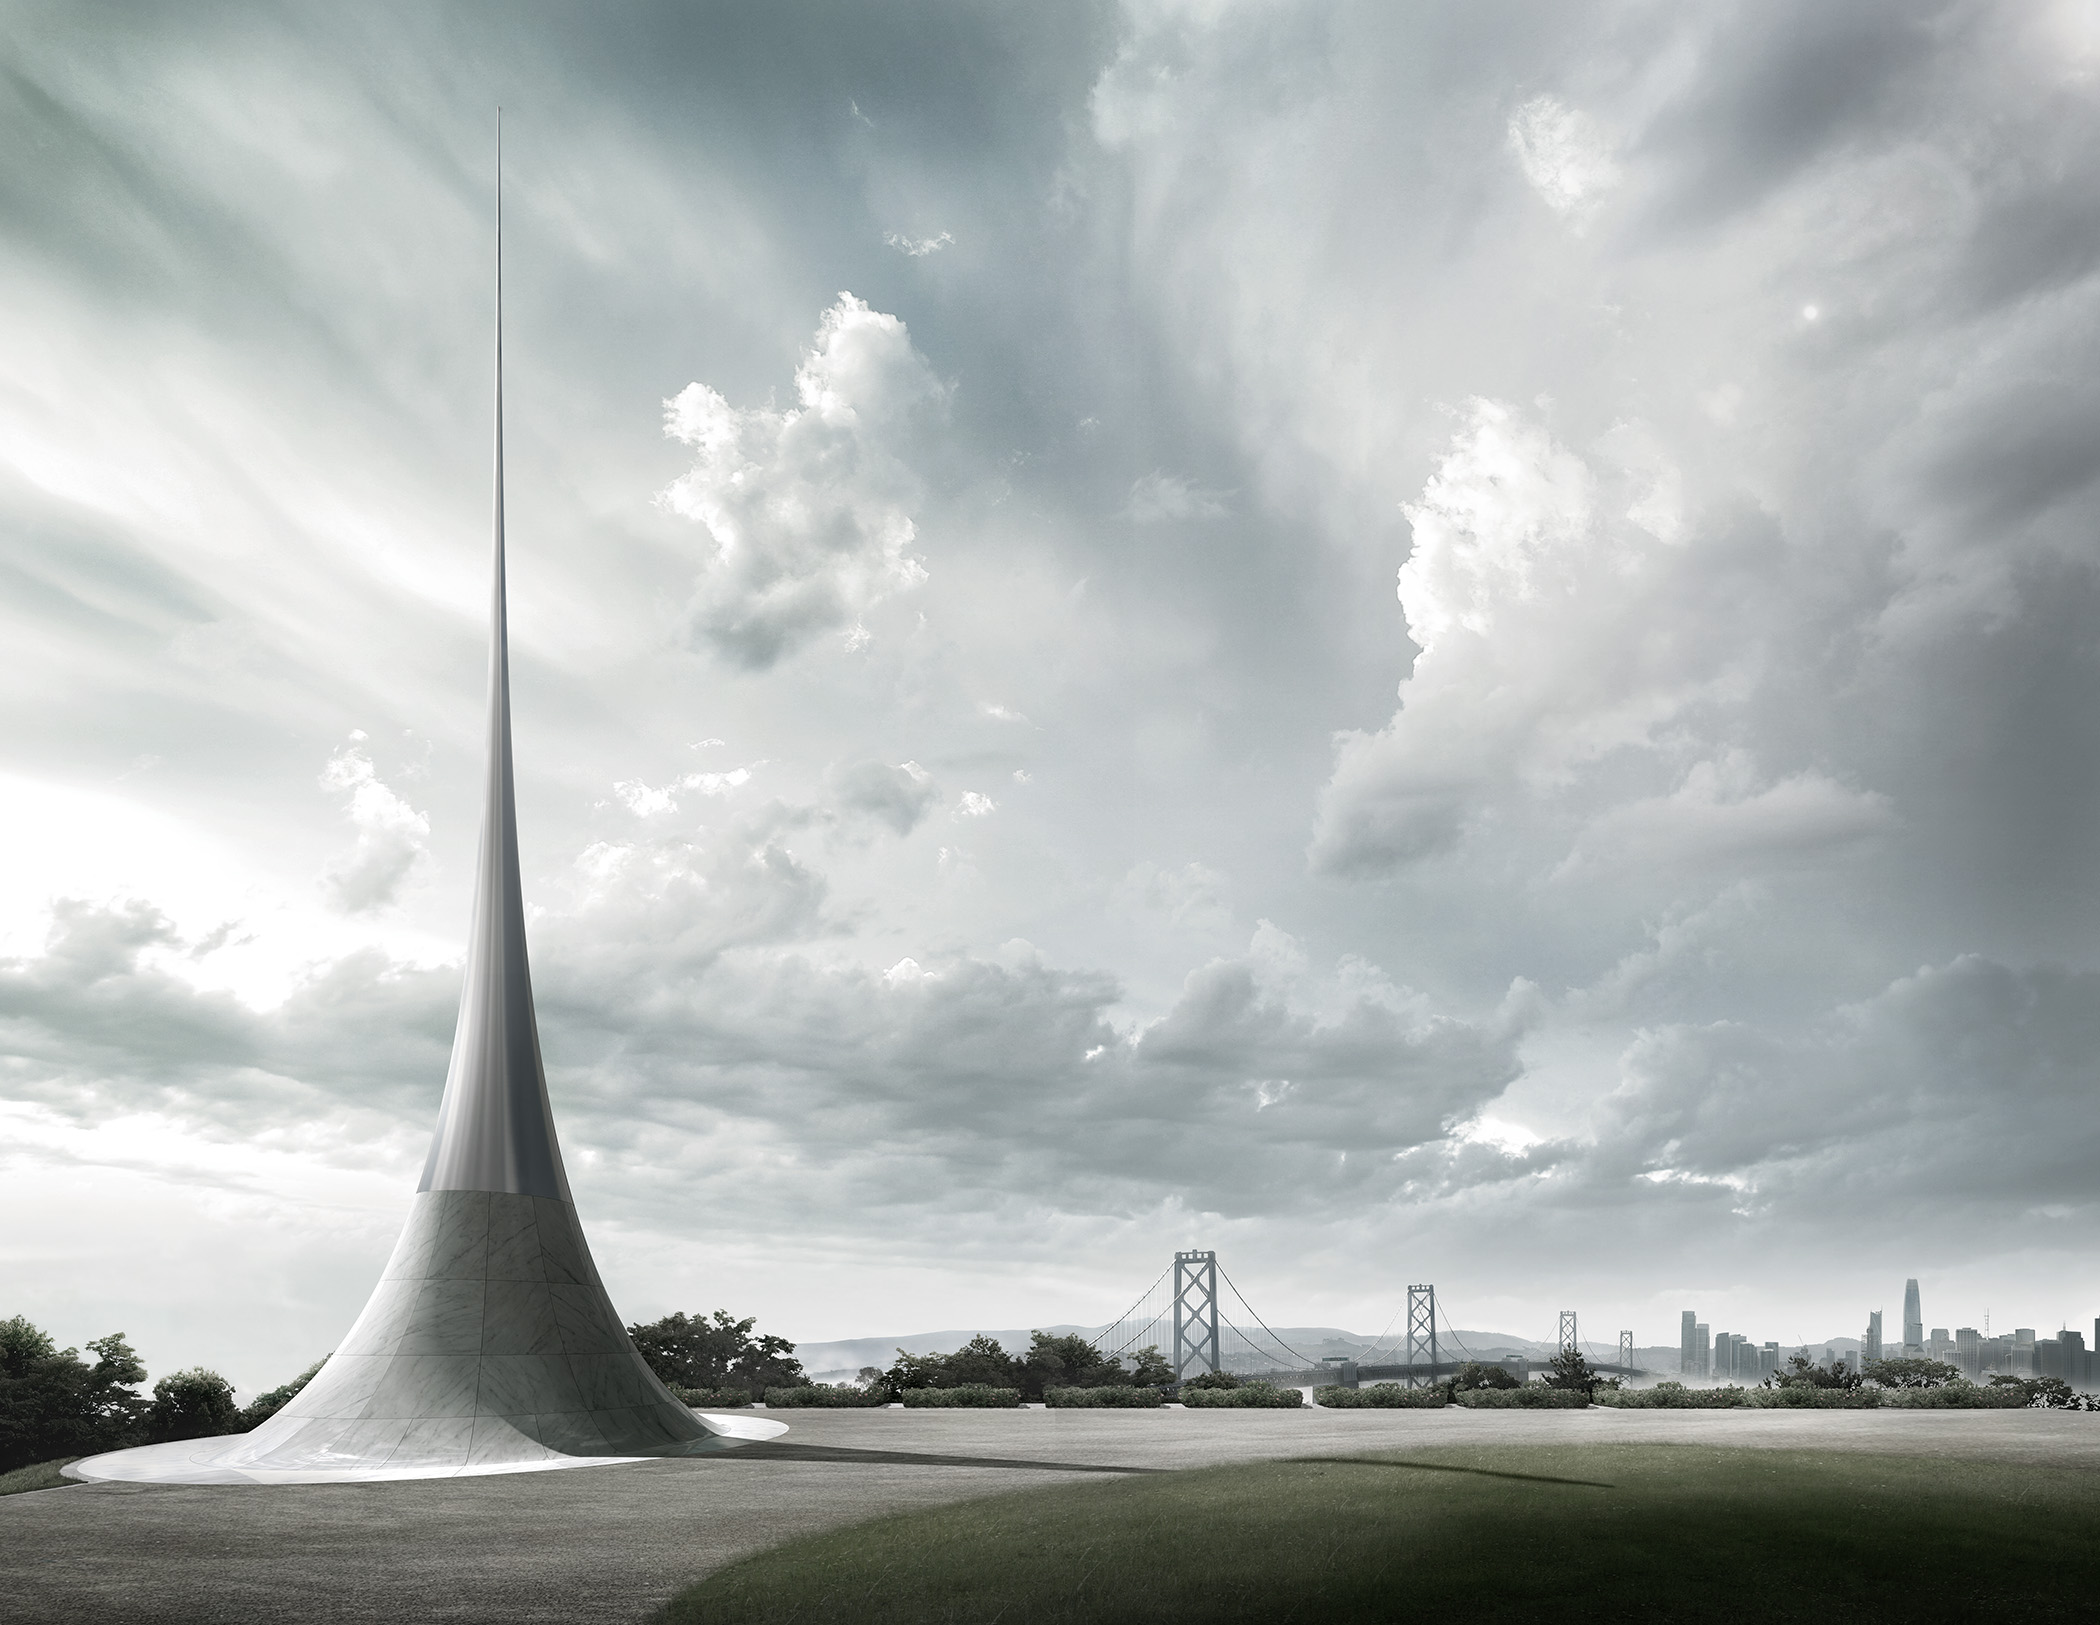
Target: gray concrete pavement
[{"x": 608, "y": 1544}]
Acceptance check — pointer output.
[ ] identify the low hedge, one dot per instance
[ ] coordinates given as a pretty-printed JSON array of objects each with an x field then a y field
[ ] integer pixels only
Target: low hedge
[
  {"x": 1670, "y": 1396},
  {"x": 824, "y": 1394},
  {"x": 1256, "y": 1394},
  {"x": 1531, "y": 1397},
  {"x": 1957, "y": 1396},
  {"x": 1817, "y": 1399},
  {"x": 1380, "y": 1396},
  {"x": 970, "y": 1395},
  {"x": 1126, "y": 1399},
  {"x": 713, "y": 1399},
  {"x": 1673, "y": 1396}
]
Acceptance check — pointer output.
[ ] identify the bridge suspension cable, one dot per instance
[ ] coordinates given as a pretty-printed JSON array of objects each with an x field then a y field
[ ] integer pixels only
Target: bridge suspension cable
[
  {"x": 1121, "y": 1335},
  {"x": 1280, "y": 1344}
]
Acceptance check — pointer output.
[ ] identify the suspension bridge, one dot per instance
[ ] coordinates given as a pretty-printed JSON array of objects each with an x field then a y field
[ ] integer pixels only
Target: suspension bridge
[{"x": 1201, "y": 1321}]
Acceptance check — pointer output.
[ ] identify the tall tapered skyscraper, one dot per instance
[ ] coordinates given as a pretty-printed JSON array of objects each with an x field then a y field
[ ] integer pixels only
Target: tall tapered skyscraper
[
  {"x": 1913, "y": 1319},
  {"x": 489, "y": 1344}
]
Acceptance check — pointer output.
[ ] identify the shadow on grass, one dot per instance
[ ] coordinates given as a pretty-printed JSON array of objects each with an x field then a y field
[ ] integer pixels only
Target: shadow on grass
[
  {"x": 843, "y": 1455},
  {"x": 1446, "y": 1467},
  {"x": 1687, "y": 1533}
]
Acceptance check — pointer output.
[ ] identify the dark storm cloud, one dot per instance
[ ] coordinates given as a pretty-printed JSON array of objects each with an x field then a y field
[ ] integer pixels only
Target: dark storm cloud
[
  {"x": 1961, "y": 1089},
  {"x": 1781, "y": 86},
  {"x": 96, "y": 1027}
]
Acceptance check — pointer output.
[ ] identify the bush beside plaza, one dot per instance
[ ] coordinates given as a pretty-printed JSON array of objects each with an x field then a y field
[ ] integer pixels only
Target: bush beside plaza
[
  {"x": 712, "y": 1399},
  {"x": 1381, "y": 1396},
  {"x": 823, "y": 1395},
  {"x": 716, "y": 1353},
  {"x": 1256, "y": 1395},
  {"x": 1962, "y": 1396},
  {"x": 1110, "y": 1398},
  {"x": 973, "y": 1396},
  {"x": 1531, "y": 1397}
]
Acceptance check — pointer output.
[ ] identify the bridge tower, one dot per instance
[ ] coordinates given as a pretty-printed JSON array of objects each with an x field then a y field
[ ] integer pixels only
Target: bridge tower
[
  {"x": 1195, "y": 1312},
  {"x": 1421, "y": 1331},
  {"x": 1568, "y": 1344},
  {"x": 1626, "y": 1350}
]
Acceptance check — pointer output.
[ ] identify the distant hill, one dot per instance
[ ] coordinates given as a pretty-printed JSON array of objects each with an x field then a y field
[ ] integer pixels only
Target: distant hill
[{"x": 842, "y": 1360}]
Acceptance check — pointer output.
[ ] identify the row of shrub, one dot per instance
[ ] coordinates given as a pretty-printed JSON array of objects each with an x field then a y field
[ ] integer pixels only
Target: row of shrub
[
  {"x": 1130, "y": 1399},
  {"x": 1381, "y": 1396},
  {"x": 1531, "y": 1397},
  {"x": 1669, "y": 1396},
  {"x": 1260, "y": 1395},
  {"x": 824, "y": 1394},
  {"x": 712, "y": 1399},
  {"x": 973, "y": 1396},
  {"x": 1963, "y": 1396}
]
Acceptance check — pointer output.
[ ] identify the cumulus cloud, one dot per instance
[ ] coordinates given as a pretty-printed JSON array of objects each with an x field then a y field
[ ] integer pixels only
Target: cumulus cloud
[
  {"x": 1725, "y": 810},
  {"x": 391, "y": 835},
  {"x": 809, "y": 509},
  {"x": 678, "y": 1007},
  {"x": 645, "y": 801},
  {"x": 1743, "y": 657},
  {"x": 1950, "y": 1099},
  {"x": 98, "y": 1025},
  {"x": 991, "y": 1080},
  {"x": 1564, "y": 156},
  {"x": 1555, "y": 625},
  {"x": 917, "y": 247}
]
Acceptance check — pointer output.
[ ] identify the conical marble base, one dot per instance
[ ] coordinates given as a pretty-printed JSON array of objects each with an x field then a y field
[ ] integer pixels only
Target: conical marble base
[{"x": 489, "y": 1346}]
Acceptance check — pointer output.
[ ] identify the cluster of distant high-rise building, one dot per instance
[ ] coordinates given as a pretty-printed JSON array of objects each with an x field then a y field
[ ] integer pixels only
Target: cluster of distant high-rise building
[{"x": 1704, "y": 1354}]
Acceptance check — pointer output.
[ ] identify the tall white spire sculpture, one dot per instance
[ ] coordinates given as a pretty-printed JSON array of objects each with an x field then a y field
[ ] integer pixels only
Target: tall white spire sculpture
[{"x": 489, "y": 1345}]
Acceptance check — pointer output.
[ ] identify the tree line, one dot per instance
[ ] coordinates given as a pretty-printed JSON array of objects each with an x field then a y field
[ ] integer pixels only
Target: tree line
[
  {"x": 1050, "y": 1361},
  {"x": 718, "y": 1355},
  {"x": 1918, "y": 1371},
  {"x": 54, "y": 1403}
]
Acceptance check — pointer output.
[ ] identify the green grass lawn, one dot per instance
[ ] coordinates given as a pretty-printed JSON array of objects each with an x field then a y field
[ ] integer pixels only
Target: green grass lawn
[
  {"x": 42, "y": 1476},
  {"x": 1618, "y": 1532}
]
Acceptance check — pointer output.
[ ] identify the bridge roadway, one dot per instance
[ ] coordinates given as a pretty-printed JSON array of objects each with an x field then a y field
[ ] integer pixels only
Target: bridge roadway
[
  {"x": 610, "y": 1544},
  {"x": 1426, "y": 1372}
]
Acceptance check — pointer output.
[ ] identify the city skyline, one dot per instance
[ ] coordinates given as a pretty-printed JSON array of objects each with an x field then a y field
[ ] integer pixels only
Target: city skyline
[{"x": 1412, "y": 646}]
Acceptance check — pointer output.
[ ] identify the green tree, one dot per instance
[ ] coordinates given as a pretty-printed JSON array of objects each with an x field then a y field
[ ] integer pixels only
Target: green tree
[
  {"x": 912, "y": 1371},
  {"x": 694, "y": 1351},
  {"x": 1569, "y": 1370},
  {"x": 1474, "y": 1375},
  {"x": 981, "y": 1362},
  {"x": 1802, "y": 1372},
  {"x": 1070, "y": 1361},
  {"x": 1910, "y": 1371},
  {"x": 264, "y": 1406},
  {"x": 2048, "y": 1393},
  {"x": 53, "y": 1403},
  {"x": 193, "y": 1404},
  {"x": 1152, "y": 1369},
  {"x": 1212, "y": 1379}
]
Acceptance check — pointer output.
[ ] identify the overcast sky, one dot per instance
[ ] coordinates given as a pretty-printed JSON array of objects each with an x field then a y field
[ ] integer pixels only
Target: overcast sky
[{"x": 1416, "y": 643}]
